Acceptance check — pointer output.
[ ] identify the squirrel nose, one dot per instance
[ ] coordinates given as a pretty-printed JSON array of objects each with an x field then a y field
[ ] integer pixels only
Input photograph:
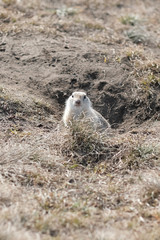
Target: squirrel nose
[{"x": 77, "y": 102}]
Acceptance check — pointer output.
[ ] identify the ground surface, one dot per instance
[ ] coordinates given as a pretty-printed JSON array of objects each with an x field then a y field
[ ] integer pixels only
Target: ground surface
[{"x": 52, "y": 185}]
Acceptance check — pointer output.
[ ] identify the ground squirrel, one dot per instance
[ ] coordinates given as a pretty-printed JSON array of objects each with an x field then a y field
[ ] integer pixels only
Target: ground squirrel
[{"x": 79, "y": 105}]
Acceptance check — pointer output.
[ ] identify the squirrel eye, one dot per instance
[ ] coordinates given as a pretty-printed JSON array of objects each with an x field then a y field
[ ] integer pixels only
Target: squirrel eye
[
  {"x": 84, "y": 97},
  {"x": 72, "y": 96}
]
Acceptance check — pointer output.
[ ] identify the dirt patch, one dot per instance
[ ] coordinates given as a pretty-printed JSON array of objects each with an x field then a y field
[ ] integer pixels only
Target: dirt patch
[
  {"x": 55, "y": 64},
  {"x": 54, "y": 72}
]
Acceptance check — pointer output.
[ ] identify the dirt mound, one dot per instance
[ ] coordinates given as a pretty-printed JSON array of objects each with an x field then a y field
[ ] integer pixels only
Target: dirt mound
[
  {"x": 84, "y": 46},
  {"x": 54, "y": 71}
]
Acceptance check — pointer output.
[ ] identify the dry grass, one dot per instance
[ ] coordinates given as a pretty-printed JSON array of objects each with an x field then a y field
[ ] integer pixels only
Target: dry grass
[
  {"x": 131, "y": 20},
  {"x": 145, "y": 72},
  {"x": 109, "y": 150},
  {"x": 42, "y": 175}
]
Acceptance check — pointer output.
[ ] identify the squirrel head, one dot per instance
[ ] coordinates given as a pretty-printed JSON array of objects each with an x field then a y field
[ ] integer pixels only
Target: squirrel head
[{"x": 79, "y": 100}]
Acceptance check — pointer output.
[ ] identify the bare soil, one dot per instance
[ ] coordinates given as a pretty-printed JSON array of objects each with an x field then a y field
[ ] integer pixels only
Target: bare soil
[{"x": 50, "y": 187}]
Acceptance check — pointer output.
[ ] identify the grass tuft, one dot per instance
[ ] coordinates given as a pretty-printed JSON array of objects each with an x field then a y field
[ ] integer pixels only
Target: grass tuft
[
  {"x": 137, "y": 35},
  {"x": 129, "y": 20},
  {"x": 152, "y": 194},
  {"x": 62, "y": 12},
  {"x": 86, "y": 144},
  {"x": 9, "y": 2}
]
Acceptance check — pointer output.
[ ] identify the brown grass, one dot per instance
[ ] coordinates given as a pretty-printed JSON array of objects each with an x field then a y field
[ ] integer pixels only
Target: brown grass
[{"x": 54, "y": 183}]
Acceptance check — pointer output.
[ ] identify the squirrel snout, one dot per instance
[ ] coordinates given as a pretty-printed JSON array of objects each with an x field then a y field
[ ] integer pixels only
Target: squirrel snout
[{"x": 77, "y": 102}]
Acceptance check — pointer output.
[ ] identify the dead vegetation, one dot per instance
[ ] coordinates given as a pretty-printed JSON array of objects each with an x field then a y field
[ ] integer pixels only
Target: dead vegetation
[
  {"x": 109, "y": 151},
  {"x": 67, "y": 180}
]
